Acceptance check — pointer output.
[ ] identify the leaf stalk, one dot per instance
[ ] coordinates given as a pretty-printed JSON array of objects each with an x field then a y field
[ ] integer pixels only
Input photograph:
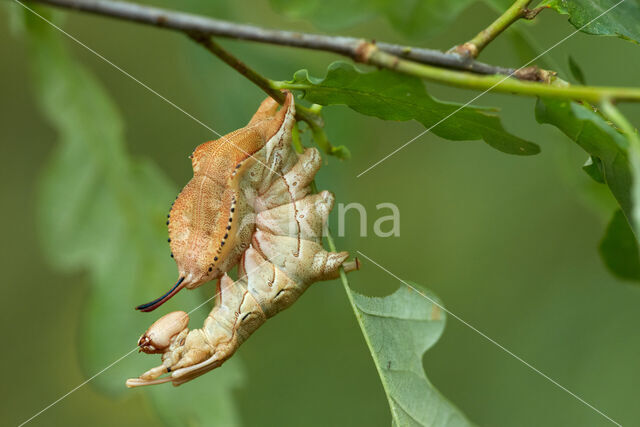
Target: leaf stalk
[
  {"x": 518, "y": 10},
  {"x": 504, "y": 84}
]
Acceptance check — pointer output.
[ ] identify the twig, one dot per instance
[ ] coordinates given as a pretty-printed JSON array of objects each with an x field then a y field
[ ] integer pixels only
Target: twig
[
  {"x": 518, "y": 10},
  {"x": 311, "y": 117},
  {"x": 260, "y": 81},
  {"x": 343, "y": 277},
  {"x": 189, "y": 23},
  {"x": 360, "y": 51},
  {"x": 365, "y": 335}
]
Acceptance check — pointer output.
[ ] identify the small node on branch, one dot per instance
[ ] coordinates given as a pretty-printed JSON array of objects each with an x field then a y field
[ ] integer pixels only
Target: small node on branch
[
  {"x": 363, "y": 51},
  {"x": 532, "y": 13},
  {"x": 467, "y": 50},
  {"x": 535, "y": 74}
]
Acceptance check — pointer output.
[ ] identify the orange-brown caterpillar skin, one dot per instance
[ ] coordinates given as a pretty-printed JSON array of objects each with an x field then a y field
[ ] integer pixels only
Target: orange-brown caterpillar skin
[
  {"x": 205, "y": 233},
  {"x": 248, "y": 204}
]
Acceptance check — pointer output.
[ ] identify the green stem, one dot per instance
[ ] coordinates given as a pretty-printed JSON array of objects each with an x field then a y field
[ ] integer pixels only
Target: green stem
[
  {"x": 614, "y": 114},
  {"x": 320, "y": 137},
  {"x": 297, "y": 144},
  {"x": 263, "y": 83},
  {"x": 358, "y": 315},
  {"x": 495, "y": 83},
  {"x": 295, "y": 139},
  {"x": 517, "y": 11},
  {"x": 309, "y": 115}
]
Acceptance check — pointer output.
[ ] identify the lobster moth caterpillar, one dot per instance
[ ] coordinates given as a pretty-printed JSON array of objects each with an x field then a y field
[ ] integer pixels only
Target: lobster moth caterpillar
[{"x": 248, "y": 204}]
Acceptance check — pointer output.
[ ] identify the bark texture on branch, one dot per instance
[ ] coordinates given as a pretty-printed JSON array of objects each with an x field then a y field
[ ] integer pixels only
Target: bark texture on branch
[{"x": 190, "y": 23}]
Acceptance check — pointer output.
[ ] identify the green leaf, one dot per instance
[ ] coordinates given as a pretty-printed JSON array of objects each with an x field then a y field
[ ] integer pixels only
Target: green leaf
[
  {"x": 400, "y": 328},
  {"x": 103, "y": 213},
  {"x": 392, "y": 96},
  {"x": 415, "y": 18},
  {"x": 635, "y": 168},
  {"x": 598, "y": 138},
  {"x": 603, "y": 142},
  {"x": 619, "y": 248},
  {"x": 622, "y": 21},
  {"x": 633, "y": 139},
  {"x": 593, "y": 168},
  {"x": 576, "y": 71}
]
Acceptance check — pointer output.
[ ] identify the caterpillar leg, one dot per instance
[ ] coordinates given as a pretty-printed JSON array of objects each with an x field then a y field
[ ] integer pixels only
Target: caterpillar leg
[
  {"x": 186, "y": 353},
  {"x": 265, "y": 288},
  {"x": 190, "y": 354}
]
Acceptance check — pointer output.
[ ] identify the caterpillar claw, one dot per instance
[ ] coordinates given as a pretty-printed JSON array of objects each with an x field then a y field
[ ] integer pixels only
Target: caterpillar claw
[
  {"x": 139, "y": 382},
  {"x": 187, "y": 374},
  {"x": 154, "y": 373},
  {"x": 151, "y": 377}
]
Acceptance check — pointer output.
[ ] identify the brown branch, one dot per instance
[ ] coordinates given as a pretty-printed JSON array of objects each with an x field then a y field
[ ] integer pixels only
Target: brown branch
[
  {"x": 357, "y": 49},
  {"x": 195, "y": 24}
]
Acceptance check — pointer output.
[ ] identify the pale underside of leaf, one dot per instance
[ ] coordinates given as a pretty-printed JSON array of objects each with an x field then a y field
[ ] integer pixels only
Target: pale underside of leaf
[{"x": 400, "y": 328}]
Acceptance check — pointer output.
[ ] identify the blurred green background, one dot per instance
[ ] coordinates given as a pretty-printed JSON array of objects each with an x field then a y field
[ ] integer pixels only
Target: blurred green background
[{"x": 508, "y": 243}]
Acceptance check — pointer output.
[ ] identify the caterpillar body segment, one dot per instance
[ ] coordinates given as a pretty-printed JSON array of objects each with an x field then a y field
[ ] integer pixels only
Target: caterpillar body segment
[{"x": 248, "y": 204}]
